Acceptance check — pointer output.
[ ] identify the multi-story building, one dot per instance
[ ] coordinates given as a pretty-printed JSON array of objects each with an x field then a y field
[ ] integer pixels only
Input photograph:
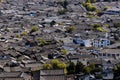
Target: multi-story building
[
  {"x": 103, "y": 42},
  {"x": 109, "y": 54}
]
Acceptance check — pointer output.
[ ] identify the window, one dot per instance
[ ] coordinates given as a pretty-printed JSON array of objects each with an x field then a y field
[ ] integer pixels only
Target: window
[
  {"x": 108, "y": 55},
  {"x": 113, "y": 55},
  {"x": 100, "y": 54},
  {"x": 118, "y": 55},
  {"x": 104, "y": 54}
]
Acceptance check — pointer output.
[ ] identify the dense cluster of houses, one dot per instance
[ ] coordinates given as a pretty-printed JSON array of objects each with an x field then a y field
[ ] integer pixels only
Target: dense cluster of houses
[{"x": 31, "y": 30}]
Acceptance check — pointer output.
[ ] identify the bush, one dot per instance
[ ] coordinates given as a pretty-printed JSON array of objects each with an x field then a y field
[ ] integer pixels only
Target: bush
[
  {"x": 71, "y": 68},
  {"x": 34, "y": 29},
  {"x": 47, "y": 66},
  {"x": 89, "y": 7},
  {"x": 71, "y": 29},
  {"x": 24, "y": 33},
  {"x": 61, "y": 12},
  {"x": 18, "y": 36},
  {"x": 42, "y": 42},
  {"x": 116, "y": 25},
  {"x": 101, "y": 29},
  {"x": 99, "y": 76},
  {"x": 55, "y": 64},
  {"x": 64, "y": 51}
]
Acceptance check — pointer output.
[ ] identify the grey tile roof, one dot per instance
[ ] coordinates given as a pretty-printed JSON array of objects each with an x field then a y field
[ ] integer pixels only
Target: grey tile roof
[
  {"x": 52, "y": 75},
  {"x": 10, "y": 74}
]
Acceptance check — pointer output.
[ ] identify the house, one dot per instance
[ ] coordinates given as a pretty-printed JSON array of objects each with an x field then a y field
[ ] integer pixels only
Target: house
[
  {"x": 113, "y": 11},
  {"x": 65, "y": 40},
  {"x": 52, "y": 75},
  {"x": 14, "y": 76},
  {"x": 109, "y": 54},
  {"x": 33, "y": 66},
  {"x": 103, "y": 42},
  {"x": 4, "y": 59},
  {"x": 86, "y": 43},
  {"x": 26, "y": 76},
  {"x": 78, "y": 41},
  {"x": 10, "y": 76}
]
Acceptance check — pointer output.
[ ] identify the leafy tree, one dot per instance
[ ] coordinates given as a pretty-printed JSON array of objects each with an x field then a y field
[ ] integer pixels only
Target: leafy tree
[
  {"x": 71, "y": 29},
  {"x": 88, "y": 1},
  {"x": 86, "y": 69},
  {"x": 96, "y": 26},
  {"x": 116, "y": 71},
  {"x": 93, "y": 8},
  {"x": 89, "y": 6},
  {"x": 61, "y": 12},
  {"x": 41, "y": 42},
  {"x": 55, "y": 64},
  {"x": 62, "y": 66},
  {"x": 71, "y": 68},
  {"x": 91, "y": 67},
  {"x": 116, "y": 25},
  {"x": 34, "y": 29},
  {"x": 24, "y": 33},
  {"x": 105, "y": 8},
  {"x": 18, "y": 36},
  {"x": 79, "y": 67},
  {"x": 93, "y": 1},
  {"x": 64, "y": 51},
  {"x": 47, "y": 66}
]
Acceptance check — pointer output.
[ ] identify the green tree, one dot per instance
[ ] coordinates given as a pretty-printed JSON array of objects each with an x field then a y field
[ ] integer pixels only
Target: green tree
[
  {"x": 116, "y": 71},
  {"x": 71, "y": 29},
  {"x": 93, "y": 1},
  {"x": 47, "y": 66},
  {"x": 62, "y": 66},
  {"x": 61, "y": 12},
  {"x": 79, "y": 67},
  {"x": 34, "y": 29},
  {"x": 91, "y": 67},
  {"x": 93, "y": 8},
  {"x": 86, "y": 70},
  {"x": 55, "y": 64},
  {"x": 41, "y": 42},
  {"x": 64, "y": 51},
  {"x": 116, "y": 25},
  {"x": 89, "y": 7},
  {"x": 18, "y": 36},
  {"x": 88, "y": 1},
  {"x": 24, "y": 33},
  {"x": 96, "y": 26},
  {"x": 71, "y": 68}
]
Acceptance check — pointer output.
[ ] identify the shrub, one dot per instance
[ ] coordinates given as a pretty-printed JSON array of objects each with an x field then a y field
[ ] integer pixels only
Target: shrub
[
  {"x": 61, "y": 12},
  {"x": 34, "y": 29}
]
